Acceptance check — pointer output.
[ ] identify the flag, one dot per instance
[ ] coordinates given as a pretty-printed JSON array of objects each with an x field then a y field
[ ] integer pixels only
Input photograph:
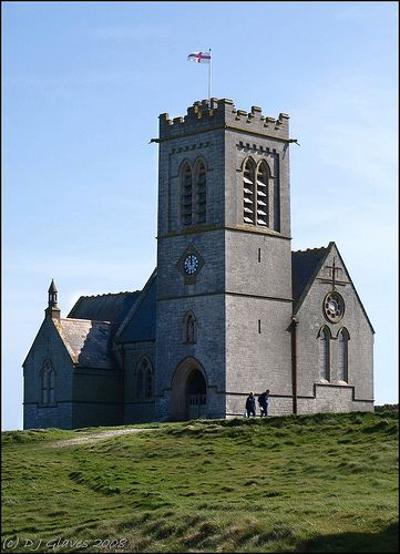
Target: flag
[{"x": 199, "y": 57}]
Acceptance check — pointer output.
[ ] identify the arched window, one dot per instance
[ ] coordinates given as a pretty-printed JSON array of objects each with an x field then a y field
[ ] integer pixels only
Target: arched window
[
  {"x": 249, "y": 190},
  {"x": 139, "y": 383},
  {"x": 201, "y": 192},
  {"x": 52, "y": 383},
  {"x": 263, "y": 194},
  {"x": 189, "y": 328},
  {"x": 187, "y": 194},
  {"x": 343, "y": 355},
  {"x": 144, "y": 379},
  {"x": 148, "y": 384},
  {"x": 48, "y": 384},
  {"x": 324, "y": 353}
]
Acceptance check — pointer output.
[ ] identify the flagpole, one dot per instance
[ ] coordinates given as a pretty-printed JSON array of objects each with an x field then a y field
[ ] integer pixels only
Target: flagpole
[{"x": 209, "y": 75}]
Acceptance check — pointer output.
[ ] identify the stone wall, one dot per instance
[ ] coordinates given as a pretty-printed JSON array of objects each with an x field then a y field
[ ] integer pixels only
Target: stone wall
[
  {"x": 48, "y": 347},
  {"x": 360, "y": 348},
  {"x": 97, "y": 397},
  {"x": 257, "y": 361},
  {"x": 208, "y": 351},
  {"x": 135, "y": 409},
  {"x": 258, "y": 265},
  {"x": 40, "y": 417}
]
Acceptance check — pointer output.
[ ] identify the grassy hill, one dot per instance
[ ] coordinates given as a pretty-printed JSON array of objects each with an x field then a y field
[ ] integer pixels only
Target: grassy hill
[{"x": 322, "y": 483}]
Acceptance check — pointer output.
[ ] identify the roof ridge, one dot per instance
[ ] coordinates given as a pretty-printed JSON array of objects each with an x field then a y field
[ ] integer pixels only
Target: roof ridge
[
  {"x": 110, "y": 293},
  {"x": 135, "y": 306},
  {"x": 88, "y": 320},
  {"x": 310, "y": 249}
]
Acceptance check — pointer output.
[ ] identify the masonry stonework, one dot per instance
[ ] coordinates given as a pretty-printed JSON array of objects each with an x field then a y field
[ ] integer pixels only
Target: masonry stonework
[{"x": 230, "y": 308}]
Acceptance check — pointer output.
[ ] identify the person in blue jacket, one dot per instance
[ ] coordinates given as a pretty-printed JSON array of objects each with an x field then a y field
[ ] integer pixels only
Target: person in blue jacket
[{"x": 263, "y": 401}]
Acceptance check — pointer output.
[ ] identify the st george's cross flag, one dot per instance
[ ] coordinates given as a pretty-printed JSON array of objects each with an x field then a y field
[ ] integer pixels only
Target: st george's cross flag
[{"x": 199, "y": 57}]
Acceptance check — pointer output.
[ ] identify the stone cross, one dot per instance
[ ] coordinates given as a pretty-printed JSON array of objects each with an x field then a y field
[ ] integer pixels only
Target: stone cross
[{"x": 333, "y": 269}]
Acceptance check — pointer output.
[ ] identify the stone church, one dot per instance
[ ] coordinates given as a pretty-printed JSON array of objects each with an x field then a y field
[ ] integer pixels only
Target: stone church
[{"x": 230, "y": 307}]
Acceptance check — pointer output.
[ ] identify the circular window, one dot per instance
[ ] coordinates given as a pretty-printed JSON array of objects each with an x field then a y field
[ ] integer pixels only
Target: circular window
[{"x": 333, "y": 306}]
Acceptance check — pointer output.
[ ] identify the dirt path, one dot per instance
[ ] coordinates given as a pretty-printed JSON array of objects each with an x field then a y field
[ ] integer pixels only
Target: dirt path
[{"x": 89, "y": 438}]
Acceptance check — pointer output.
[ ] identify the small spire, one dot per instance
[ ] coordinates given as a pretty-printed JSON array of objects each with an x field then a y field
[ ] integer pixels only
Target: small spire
[
  {"x": 52, "y": 287},
  {"x": 52, "y": 309}
]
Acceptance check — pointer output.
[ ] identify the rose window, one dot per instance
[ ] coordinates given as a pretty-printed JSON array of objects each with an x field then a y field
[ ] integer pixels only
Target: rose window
[{"x": 334, "y": 306}]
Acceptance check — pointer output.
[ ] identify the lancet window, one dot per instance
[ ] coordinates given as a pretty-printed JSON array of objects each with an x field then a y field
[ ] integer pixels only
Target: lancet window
[
  {"x": 324, "y": 353},
  {"x": 343, "y": 354},
  {"x": 144, "y": 380},
  {"x": 48, "y": 382}
]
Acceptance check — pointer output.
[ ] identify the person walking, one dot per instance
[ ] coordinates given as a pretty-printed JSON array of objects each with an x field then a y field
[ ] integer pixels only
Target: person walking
[
  {"x": 251, "y": 405},
  {"x": 263, "y": 401}
]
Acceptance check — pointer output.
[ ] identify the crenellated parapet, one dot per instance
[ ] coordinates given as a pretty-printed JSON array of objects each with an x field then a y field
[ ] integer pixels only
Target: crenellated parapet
[{"x": 222, "y": 113}]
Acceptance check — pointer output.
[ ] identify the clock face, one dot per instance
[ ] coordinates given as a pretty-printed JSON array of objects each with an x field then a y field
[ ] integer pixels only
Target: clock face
[{"x": 191, "y": 264}]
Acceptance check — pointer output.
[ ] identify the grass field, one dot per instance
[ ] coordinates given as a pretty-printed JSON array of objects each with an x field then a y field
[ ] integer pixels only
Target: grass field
[{"x": 322, "y": 483}]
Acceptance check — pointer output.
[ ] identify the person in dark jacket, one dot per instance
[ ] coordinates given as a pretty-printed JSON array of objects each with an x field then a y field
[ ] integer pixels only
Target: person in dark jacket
[
  {"x": 263, "y": 401},
  {"x": 251, "y": 405}
]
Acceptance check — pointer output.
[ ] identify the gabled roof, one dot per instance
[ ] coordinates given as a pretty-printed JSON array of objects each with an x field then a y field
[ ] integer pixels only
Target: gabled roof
[
  {"x": 140, "y": 322},
  {"x": 104, "y": 307},
  {"x": 87, "y": 342},
  {"x": 305, "y": 266}
]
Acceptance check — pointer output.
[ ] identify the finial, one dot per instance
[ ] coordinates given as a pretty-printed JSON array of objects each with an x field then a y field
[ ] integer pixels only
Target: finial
[
  {"x": 52, "y": 287},
  {"x": 52, "y": 309}
]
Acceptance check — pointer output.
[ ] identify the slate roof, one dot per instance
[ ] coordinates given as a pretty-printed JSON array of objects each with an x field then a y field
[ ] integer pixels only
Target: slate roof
[
  {"x": 90, "y": 327},
  {"x": 140, "y": 322},
  {"x": 88, "y": 342},
  {"x": 305, "y": 265},
  {"x": 104, "y": 307}
]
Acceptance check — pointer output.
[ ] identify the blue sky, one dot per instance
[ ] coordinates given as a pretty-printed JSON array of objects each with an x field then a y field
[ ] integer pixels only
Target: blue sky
[{"x": 83, "y": 84}]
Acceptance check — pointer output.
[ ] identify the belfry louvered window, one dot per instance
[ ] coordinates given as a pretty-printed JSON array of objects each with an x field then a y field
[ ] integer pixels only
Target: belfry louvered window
[
  {"x": 249, "y": 190},
  {"x": 187, "y": 195},
  {"x": 201, "y": 193},
  {"x": 262, "y": 194}
]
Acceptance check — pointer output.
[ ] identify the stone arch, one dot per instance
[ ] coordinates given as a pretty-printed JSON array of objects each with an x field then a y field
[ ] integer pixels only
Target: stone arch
[
  {"x": 188, "y": 390},
  {"x": 344, "y": 331},
  {"x": 324, "y": 329},
  {"x": 263, "y": 162},
  {"x": 200, "y": 160},
  {"x": 246, "y": 160}
]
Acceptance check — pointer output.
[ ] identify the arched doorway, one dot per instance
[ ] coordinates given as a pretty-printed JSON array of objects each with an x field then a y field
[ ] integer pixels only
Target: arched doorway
[
  {"x": 189, "y": 391},
  {"x": 196, "y": 395}
]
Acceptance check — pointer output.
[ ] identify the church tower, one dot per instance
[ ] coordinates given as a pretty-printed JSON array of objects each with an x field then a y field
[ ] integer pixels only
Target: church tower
[
  {"x": 229, "y": 310},
  {"x": 224, "y": 293}
]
